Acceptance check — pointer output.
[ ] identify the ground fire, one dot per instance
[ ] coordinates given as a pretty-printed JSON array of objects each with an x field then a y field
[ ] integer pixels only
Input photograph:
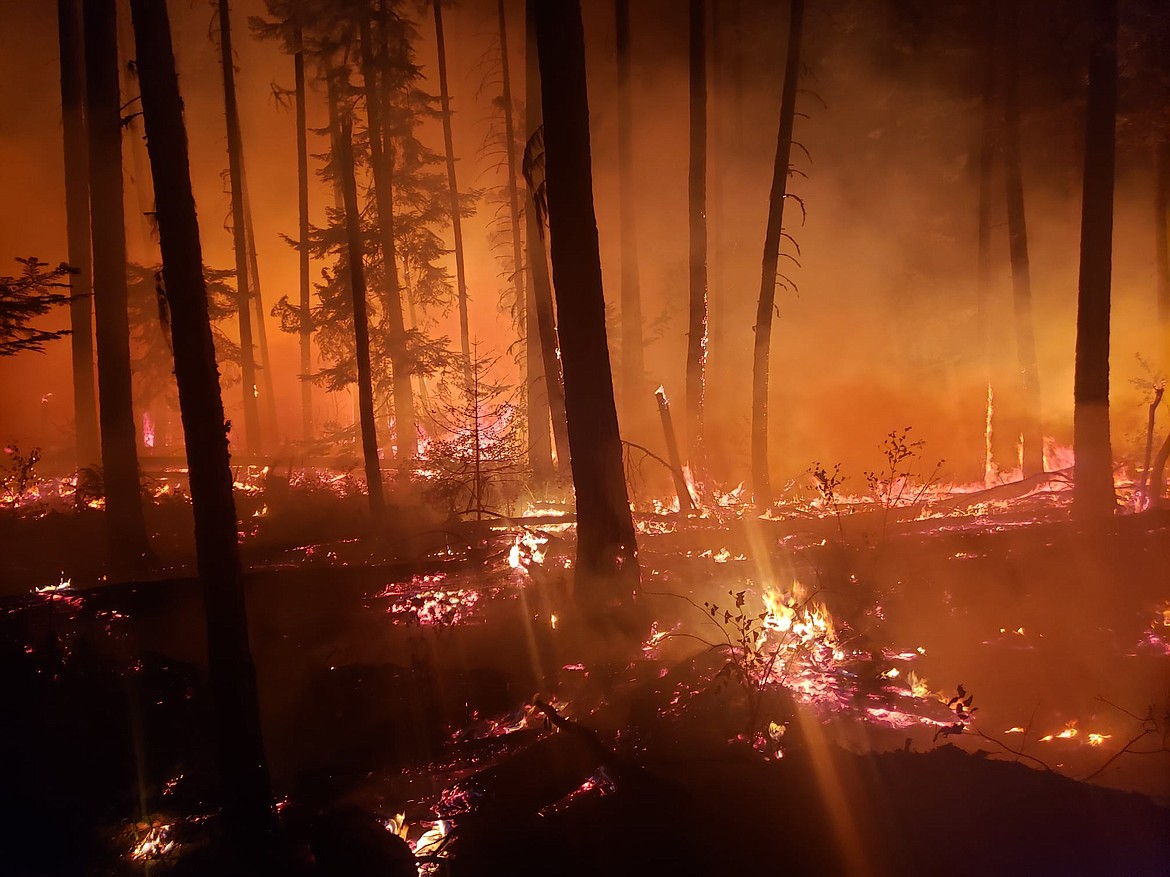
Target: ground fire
[{"x": 474, "y": 437}]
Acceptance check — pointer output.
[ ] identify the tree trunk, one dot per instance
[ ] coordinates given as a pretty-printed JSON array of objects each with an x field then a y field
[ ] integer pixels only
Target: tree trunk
[
  {"x": 633, "y": 362},
  {"x": 546, "y": 393},
  {"x": 257, "y": 297},
  {"x": 381, "y": 162},
  {"x": 761, "y": 476},
  {"x": 306, "y": 333},
  {"x": 253, "y": 440},
  {"x": 250, "y": 824},
  {"x": 453, "y": 187},
  {"x": 125, "y": 526},
  {"x": 1029, "y": 372},
  {"x": 607, "y": 573},
  {"x": 1161, "y": 231},
  {"x": 1000, "y": 438},
  {"x": 987, "y": 139},
  {"x": 697, "y": 199},
  {"x": 357, "y": 283},
  {"x": 1093, "y": 494},
  {"x": 539, "y": 447},
  {"x": 542, "y": 294},
  {"x": 85, "y": 414}
]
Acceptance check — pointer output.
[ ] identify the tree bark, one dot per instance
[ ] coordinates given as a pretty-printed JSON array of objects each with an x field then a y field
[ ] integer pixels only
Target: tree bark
[
  {"x": 453, "y": 187},
  {"x": 85, "y": 416},
  {"x": 633, "y": 353},
  {"x": 357, "y": 283},
  {"x": 381, "y": 162},
  {"x": 253, "y": 439},
  {"x": 606, "y": 572},
  {"x": 761, "y": 475},
  {"x": 697, "y": 200},
  {"x": 250, "y": 824},
  {"x": 1029, "y": 371},
  {"x": 1093, "y": 494},
  {"x": 306, "y": 332},
  {"x": 125, "y": 525},
  {"x": 542, "y": 294}
]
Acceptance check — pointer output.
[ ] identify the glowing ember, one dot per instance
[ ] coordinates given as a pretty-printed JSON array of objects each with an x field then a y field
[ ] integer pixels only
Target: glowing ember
[{"x": 152, "y": 841}]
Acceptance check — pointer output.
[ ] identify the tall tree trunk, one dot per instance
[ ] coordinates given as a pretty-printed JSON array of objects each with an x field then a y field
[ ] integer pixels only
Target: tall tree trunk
[
  {"x": 697, "y": 199},
  {"x": 253, "y": 439},
  {"x": 453, "y": 188},
  {"x": 987, "y": 152},
  {"x": 607, "y": 573},
  {"x": 382, "y": 163},
  {"x": 1161, "y": 231},
  {"x": 85, "y": 416},
  {"x": 761, "y": 476},
  {"x": 1029, "y": 372},
  {"x": 539, "y": 448},
  {"x": 1093, "y": 495},
  {"x": 540, "y": 403},
  {"x": 541, "y": 298},
  {"x": 355, "y": 250},
  {"x": 306, "y": 332},
  {"x": 1001, "y": 421},
  {"x": 633, "y": 361},
  {"x": 125, "y": 525},
  {"x": 249, "y": 820},
  {"x": 257, "y": 297}
]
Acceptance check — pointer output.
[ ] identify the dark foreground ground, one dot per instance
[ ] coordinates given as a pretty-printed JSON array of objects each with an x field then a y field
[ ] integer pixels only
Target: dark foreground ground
[{"x": 395, "y": 684}]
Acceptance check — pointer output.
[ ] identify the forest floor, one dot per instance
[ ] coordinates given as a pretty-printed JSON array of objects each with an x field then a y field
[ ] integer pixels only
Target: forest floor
[{"x": 975, "y": 690}]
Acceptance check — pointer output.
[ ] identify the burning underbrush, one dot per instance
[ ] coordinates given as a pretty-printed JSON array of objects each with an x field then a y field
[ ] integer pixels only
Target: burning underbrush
[{"x": 848, "y": 670}]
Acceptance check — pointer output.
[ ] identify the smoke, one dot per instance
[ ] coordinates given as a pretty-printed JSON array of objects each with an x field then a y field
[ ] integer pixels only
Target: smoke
[{"x": 883, "y": 331}]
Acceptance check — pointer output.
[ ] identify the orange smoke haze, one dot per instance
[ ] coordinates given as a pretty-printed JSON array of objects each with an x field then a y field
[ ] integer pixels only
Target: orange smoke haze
[{"x": 882, "y": 334}]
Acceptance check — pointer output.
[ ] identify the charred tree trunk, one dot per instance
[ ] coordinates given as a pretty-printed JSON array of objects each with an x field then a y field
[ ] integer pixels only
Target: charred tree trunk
[
  {"x": 539, "y": 447},
  {"x": 1093, "y": 495},
  {"x": 697, "y": 200},
  {"x": 761, "y": 476},
  {"x": 1029, "y": 372},
  {"x": 355, "y": 252},
  {"x": 541, "y": 298},
  {"x": 633, "y": 362},
  {"x": 453, "y": 187},
  {"x": 125, "y": 524},
  {"x": 381, "y": 161},
  {"x": 253, "y": 440},
  {"x": 1161, "y": 231},
  {"x": 607, "y": 573},
  {"x": 249, "y": 820},
  {"x": 987, "y": 152},
  {"x": 257, "y": 296},
  {"x": 546, "y": 394},
  {"x": 85, "y": 416},
  {"x": 306, "y": 332}
]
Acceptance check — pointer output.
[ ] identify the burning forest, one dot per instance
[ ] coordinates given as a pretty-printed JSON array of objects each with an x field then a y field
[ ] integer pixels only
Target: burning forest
[{"x": 474, "y": 437}]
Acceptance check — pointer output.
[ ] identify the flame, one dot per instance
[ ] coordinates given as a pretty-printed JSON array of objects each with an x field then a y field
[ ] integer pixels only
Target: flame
[
  {"x": 431, "y": 839},
  {"x": 152, "y": 841},
  {"x": 918, "y": 686}
]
